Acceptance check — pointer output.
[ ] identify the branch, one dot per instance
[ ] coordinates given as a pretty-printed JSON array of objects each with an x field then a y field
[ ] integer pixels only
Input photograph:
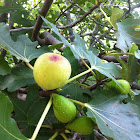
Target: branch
[
  {"x": 64, "y": 12},
  {"x": 48, "y": 39},
  {"x": 130, "y": 9},
  {"x": 36, "y": 5},
  {"x": 43, "y": 11},
  {"x": 68, "y": 16},
  {"x": 135, "y": 86},
  {"x": 111, "y": 58},
  {"x": 94, "y": 86},
  {"x": 102, "y": 35},
  {"x": 27, "y": 28},
  {"x": 84, "y": 16}
]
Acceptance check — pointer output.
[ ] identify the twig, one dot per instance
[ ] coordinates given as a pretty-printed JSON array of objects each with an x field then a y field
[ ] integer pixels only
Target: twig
[
  {"x": 131, "y": 9},
  {"x": 102, "y": 35},
  {"x": 27, "y": 28},
  {"x": 84, "y": 16},
  {"x": 64, "y": 12},
  {"x": 36, "y": 5}
]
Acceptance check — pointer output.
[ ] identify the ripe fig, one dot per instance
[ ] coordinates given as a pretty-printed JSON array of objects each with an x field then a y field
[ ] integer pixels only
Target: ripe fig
[
  {"x": 123, "y": 86},
  {"x": 83, "y": 125},
  {"x": 64, "y": 110},
  {"x": 51, "y": 71}
]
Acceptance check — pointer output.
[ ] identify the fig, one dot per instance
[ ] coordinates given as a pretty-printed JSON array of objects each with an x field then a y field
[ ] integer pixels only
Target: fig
[
  {"x": 64, "y": 110},
  {"x": 82, "y": 125},
  {"x": 123, "y": 86},
  {"x": 51, "y": 71}
]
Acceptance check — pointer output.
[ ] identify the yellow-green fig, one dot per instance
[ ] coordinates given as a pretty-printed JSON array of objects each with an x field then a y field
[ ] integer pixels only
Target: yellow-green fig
[
  {"x": 82, "y": 125},
  {"x": 123, "y": 86},
  {"x": 51, "y": 71},
  {"x": 64, "y": 110}
]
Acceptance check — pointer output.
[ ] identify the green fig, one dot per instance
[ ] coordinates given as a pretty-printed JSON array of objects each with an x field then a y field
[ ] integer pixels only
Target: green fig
[
  {"x": 123, "y": 86},
  {"x": 82, "y": 125},
  {"x": 64, "y": 110}
]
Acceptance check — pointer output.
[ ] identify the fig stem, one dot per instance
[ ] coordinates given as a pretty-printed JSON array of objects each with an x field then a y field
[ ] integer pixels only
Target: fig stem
[
  {"x": 117, "y": 54},
  {"x": 64, "y": 136},
  {"x": 30, "y": 66},
  {"x": 88, "y": 68},
  {"x": 79, "y": 84},
  {"x": 42, "y": 119},
  {"x": 79, "y": 75},
  {"x": 47, "y": 126},
  {"x": 54, "y": 136},
  {"x": 77, "y": 102}
]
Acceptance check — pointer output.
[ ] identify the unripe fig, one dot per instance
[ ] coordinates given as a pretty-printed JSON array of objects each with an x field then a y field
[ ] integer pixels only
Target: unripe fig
[
  {"x": 51, "y": 71},
  {"x": 64, "y": 110},
  {"x": 83, "y": 125},
  {"x": 123, "y": 86}
]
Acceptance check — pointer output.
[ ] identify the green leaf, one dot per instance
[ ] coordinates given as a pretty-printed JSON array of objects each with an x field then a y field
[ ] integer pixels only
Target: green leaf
[
  {"x": 23, "y": 48},
  {"x": 33, "y": 114},
  {"x": 130, "y": 69},
  {"x": 8, "y": 127},
  {"x": 21, "y": 108},
  {"x": 114, "y": 118},
  {"x": 116, "y": 14},
  {"x": 132, "y": 63},
  {"x": 79, "y": 50},
  {"x": 19, "y": 77},
  {"x": 29, "y": 111},
  {"x": 127, "y": 34},
  {"x": 76, "y": 92},
  {"x": 73, "y": 61},
  {"x": 4, "y": 67},
  {"x": 108, "y": 69}
]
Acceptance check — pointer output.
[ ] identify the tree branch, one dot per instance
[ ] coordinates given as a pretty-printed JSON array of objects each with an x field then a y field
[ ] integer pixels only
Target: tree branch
[
  {"x": 84, "y": 16},
  {"x": 64, "y": 12},
  {"x": 130, "y": 9},
  {"x": 27, "y": 28},
  {"x": 43, "y": 11}
]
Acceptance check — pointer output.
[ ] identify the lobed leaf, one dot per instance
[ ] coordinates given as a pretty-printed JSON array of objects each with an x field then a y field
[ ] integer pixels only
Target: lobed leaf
[
  {"x": 8, "y": 127},
  {"x": 23, "y": 48},
  {"x": 4, "y": 67},
  {"x": 79, "y": 50},
  {"x": 114, "y": 118},
  {"x": 19, "y": 77},
  {"x": 127, "y": 33}
]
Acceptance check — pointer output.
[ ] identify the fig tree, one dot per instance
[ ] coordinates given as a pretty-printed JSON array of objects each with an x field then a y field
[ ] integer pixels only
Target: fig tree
[
  {"x": 83, "y": 125},
  {"x": 123, "y": 86},
  {"x": 64, "y": 110},
  {"x": 51, "y": 71}
]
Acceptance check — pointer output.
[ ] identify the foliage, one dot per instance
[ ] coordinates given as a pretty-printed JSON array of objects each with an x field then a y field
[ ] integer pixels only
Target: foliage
[{"x": 101, "y": 40}]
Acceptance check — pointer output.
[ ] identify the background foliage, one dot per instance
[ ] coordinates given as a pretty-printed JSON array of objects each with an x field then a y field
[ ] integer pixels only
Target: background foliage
[{"x": 89, "y": 33}]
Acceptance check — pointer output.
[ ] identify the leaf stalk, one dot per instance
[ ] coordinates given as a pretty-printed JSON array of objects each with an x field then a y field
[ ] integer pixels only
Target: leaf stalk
[
  {"x": 42, "y": 119},
  {"x": 79, "y": 75}
]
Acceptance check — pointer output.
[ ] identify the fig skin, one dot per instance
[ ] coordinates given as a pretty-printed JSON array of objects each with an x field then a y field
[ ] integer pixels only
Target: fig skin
[
  {"x": 64, "y": 110},
  {"x": 82, "y": 125},
  {"x": 51, "y": 71},
  {"x": 123, "y": 87}
]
